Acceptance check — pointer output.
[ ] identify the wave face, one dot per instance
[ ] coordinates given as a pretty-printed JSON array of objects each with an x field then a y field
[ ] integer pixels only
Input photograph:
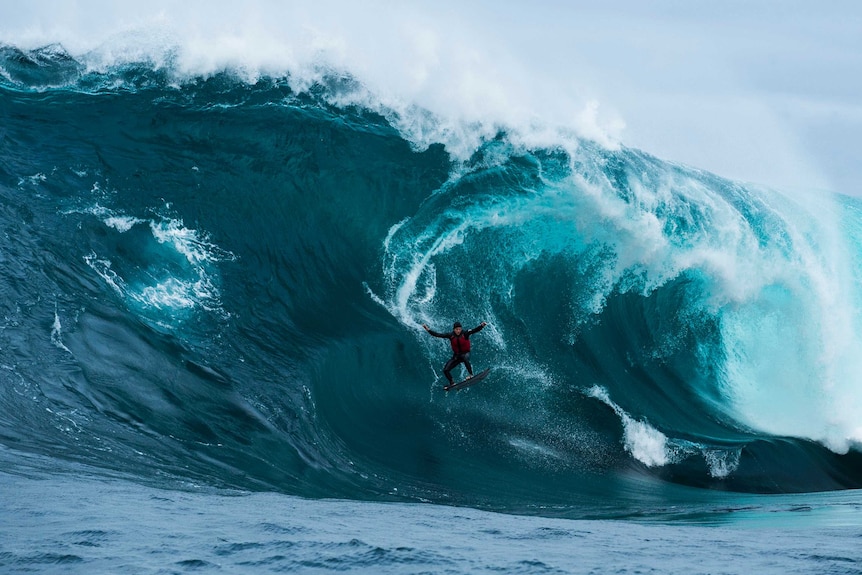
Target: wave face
[{"x": 222, "y": 281}]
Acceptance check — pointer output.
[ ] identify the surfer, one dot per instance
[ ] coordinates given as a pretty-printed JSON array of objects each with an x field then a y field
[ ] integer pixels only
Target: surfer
[{"x": 460, "y": 342}]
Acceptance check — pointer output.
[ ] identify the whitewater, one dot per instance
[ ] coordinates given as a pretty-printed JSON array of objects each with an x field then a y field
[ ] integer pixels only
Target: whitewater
[{"x": 223, "y": 231}]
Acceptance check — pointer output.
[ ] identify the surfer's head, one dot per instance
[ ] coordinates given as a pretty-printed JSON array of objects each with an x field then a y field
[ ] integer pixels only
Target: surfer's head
[{"x": 457, "y": 327}]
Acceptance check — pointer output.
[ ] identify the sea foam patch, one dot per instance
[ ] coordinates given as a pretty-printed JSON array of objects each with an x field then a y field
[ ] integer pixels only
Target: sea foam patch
[
  {"x": 172, "y": 271},
  {"x": 645, "y": 443}
]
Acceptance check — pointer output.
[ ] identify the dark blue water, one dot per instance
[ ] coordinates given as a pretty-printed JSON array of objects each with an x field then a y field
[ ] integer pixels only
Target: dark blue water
[{"x": 212, "y": 293}]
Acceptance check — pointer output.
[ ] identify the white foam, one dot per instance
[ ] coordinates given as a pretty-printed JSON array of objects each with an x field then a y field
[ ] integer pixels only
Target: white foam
[
  {"x": 194, "y": 244},
  {"x": 102, "y": 267},
  {"x": 33, "y": 180},
  {"x": 170, "y": 294},
  {"x": 409, "y": 60},
  {"x": 175, "y": 294},
  {"x": 540, "y": 72},
  {"x": 57, "y": 332},
  {"x": 722, "y": 462},
  {"x": 122, "y": 223},
  {"x": 654, "y": 449},
  {"x": 645, "y": 443}
]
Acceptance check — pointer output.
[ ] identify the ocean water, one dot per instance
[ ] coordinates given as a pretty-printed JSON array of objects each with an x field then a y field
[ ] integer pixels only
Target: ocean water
[{"x": 211, "y": 354}]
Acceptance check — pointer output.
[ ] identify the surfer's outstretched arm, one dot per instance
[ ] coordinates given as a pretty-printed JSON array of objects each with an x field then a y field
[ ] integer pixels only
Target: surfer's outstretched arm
[
  {"x": 435, "y": 333},
  {"x": 479, "y": 327}
]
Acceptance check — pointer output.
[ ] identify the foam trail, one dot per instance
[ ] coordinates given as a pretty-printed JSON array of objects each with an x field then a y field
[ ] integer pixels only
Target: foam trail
[
  {"x": 645, "y": 443},
  {"x": 722, "y": 462},
  {"x": 57, "y": 332}
]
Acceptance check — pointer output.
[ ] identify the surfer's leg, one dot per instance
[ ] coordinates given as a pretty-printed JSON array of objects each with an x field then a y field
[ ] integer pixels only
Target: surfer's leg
[
  {"x": 466, "y": 358},
  {"x": 450, "y": 365}
]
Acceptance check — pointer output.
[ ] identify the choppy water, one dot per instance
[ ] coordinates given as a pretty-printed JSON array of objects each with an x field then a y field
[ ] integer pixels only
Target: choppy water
[{"x": 85, "y": 523}]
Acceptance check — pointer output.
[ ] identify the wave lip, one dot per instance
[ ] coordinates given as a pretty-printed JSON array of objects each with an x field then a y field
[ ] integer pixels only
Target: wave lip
[
  {"x": 712, "y": 286},
  {"x": 47, "y": 66}
]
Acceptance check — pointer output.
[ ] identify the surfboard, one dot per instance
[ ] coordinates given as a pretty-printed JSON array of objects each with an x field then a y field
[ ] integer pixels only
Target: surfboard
[{"x": 467, "y": 382}]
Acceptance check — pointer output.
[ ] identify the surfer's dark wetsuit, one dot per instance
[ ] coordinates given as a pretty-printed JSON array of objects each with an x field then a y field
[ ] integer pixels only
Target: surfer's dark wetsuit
[{"x": 460, "y": 342}]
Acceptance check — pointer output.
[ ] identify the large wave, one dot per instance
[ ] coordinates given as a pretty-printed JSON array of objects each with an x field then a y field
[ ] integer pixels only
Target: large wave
[{"x": 220, "y": 278}]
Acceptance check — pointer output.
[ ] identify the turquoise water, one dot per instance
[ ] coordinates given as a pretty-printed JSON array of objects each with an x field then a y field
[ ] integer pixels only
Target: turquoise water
[{"x": 212, "y": 293}]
